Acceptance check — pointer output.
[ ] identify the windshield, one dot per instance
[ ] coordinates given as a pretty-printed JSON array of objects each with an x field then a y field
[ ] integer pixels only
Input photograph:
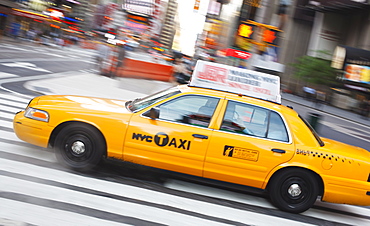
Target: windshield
[
  {"x": 313, "y": 131},
  {"x": 139, "y": 104}
]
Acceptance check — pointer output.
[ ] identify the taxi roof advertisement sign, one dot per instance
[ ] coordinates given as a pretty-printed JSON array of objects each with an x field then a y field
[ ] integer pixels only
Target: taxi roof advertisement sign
[{"x": 236, "y": 80}]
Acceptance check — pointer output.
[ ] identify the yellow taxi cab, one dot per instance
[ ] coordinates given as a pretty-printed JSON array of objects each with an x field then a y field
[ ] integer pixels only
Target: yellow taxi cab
[{"x": 228, "y": 124}]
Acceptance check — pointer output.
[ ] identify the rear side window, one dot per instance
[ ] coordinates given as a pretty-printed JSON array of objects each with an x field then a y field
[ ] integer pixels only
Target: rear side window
[
  {"x": 252, "y": 120},
  {"x": 276, "y": 128}
]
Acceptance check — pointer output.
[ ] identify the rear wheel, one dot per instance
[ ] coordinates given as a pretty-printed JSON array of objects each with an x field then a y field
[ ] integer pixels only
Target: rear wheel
[
  {"x": 79, "y": 146},
  {"x": 294, "y": 191}
]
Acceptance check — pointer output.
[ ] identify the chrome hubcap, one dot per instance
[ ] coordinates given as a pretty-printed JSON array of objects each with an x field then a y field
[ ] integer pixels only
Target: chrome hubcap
[
  {"x": 294, "y": 190},
  {"x": 78, "y": 147}
]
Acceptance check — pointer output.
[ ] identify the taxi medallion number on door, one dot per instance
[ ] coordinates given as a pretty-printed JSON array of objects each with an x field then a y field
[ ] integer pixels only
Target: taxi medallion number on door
[{"x": 228, "y": 124}]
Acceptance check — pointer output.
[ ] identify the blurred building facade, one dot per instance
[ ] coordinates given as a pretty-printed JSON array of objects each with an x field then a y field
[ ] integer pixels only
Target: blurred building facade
[
  {"x": 269, "y": 35},
  {"x": 168, "y": 28}
]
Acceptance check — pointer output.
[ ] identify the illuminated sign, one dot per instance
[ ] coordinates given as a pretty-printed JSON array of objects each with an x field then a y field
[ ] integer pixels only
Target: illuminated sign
[
  {"x": 245, "y": 30},
  {"x": 32, "y": 15},
  {"x": 145, "y": 7},
  {"x": 56, "y": 13},
  {"x": 268, "y": 36},
  {"x": 236, "y": 80},
  {"x": 238, "y": 54},
  {"x": 357, "y": 73},
  {"x": 258, "y": 34},
  {"x": 138, "y": 19}
]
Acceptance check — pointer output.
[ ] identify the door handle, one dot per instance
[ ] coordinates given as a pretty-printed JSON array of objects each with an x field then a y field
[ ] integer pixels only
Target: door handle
[
  {"x": 200, "y": 136},
  {"x": 278, "y": 150}
]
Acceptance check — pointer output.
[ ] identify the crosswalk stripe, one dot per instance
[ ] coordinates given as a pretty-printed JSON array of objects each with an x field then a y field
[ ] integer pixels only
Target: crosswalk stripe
[
  {"x": 15, "y": 98},
  {"x": 47, "y": 156},
  {"x": 200, "y": 207},
  {"x": 236, "y": 197},
  {"x": 9, "y": 135},
  {"x": 6, "y": 124},
  {"x": 13, "y": 103},
  {"x": 216, "y": 193},
  {"x": 101, "y": 203},
  {"x": 7, "y": 115},
  {"x": 7, "y": 75},
  {"x": 10, "y": 109},
  {"x": 35, "y": 215}
]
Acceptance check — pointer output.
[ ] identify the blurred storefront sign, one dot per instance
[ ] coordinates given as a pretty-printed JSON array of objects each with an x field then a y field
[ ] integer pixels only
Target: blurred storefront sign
[
  {"x": 137, "y": 18},
  {"x": 357, "y": 88},
  {"x": 212, "y": 30},
  {"x": 145, "y": 7},
  {"x": 238, "y": 54},
  {"x": 214, "y": 8},
  {"x": 344, "y": 55},
  {"x": 357, "y": 73},
  {"x": 38, "y": 5},
  {"x": 135, "y": 26},
  {"x": 28, "y": 14},
  {"x": 196, "y": 5}
]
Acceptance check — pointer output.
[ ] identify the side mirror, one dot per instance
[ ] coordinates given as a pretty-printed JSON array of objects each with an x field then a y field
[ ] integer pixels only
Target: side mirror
[{"x": 154, "y": 113}]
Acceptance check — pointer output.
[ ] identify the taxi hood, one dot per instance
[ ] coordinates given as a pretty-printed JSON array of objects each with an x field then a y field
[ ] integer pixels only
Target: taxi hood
[
  {"x": 346, "y": 149},
  {"x": 69, "y": 102}
]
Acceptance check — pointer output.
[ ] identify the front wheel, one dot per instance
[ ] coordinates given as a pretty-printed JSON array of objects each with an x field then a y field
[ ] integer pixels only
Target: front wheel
[
  {"x": 79, "y": 146},
  {"x": 294, "y": 190}
]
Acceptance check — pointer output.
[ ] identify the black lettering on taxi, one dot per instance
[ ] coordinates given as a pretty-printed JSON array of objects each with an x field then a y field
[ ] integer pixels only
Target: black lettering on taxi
[
  {"x": 162, "y": 139},
  {"x": 302, "y": 152}
]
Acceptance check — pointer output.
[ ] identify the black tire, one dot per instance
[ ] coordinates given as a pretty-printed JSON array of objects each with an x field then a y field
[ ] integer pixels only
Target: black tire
[
  {"x": 299, "y": 181},
  {"x": 79, "y": 146}
]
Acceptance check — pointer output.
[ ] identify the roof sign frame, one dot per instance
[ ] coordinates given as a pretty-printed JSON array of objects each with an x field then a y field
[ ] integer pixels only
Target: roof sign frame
[{"x": 236, "y": 80}]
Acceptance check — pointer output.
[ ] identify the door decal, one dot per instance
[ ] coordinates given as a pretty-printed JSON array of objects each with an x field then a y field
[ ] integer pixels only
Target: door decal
[{"x": 241, "y": 153}]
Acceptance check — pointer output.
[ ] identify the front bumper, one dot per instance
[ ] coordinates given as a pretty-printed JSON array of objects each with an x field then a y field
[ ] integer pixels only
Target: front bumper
[{"x": 31, "y": 131}]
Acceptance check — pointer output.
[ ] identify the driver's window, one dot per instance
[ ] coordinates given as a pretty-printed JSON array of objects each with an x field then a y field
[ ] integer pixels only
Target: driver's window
[
  {"x": 190, "y": 109},
  {"x": 245, "y": 119}
]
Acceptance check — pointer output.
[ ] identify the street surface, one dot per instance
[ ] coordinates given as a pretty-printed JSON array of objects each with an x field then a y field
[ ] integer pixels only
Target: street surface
[{"x": 36, "y": 190}]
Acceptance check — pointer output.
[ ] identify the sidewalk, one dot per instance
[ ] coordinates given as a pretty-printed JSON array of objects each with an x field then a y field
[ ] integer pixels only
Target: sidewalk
[
  {"x": 348, "y": 115},
  {"x": 88, "y": 84}
]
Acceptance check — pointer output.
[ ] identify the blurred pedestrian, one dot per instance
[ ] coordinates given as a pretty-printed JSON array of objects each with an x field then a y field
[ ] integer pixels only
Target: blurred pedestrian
[
  {"x": 15, "y": 29},
  {"x": 283, "y": 12},
  {"x": 103, "y": 52},
  {"x": 320, "y": 99},
  {"x": 121, "y": 55},
  {"x": 180, "y": 72},
  {"x": 365, "y": 108}
]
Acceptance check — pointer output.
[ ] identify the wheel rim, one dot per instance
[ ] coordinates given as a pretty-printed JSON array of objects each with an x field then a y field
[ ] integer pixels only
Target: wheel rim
[
  {"x": 78, "y": 148},
  {"x": 295, "y": 191}
]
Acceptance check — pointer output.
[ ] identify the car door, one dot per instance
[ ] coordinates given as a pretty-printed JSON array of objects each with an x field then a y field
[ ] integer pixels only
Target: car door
[
  {"x": 177, "y": 140},
  {"x": 250, "y": 142}
]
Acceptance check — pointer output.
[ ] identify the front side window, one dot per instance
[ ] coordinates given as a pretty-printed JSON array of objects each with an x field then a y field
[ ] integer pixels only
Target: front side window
[
  {"x": 190, "y": 109},
  {"x": 251, "y": 120}
]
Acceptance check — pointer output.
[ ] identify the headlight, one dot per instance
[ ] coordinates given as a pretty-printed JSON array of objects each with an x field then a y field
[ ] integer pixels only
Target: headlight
[{"x": 36, "y": 114}]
